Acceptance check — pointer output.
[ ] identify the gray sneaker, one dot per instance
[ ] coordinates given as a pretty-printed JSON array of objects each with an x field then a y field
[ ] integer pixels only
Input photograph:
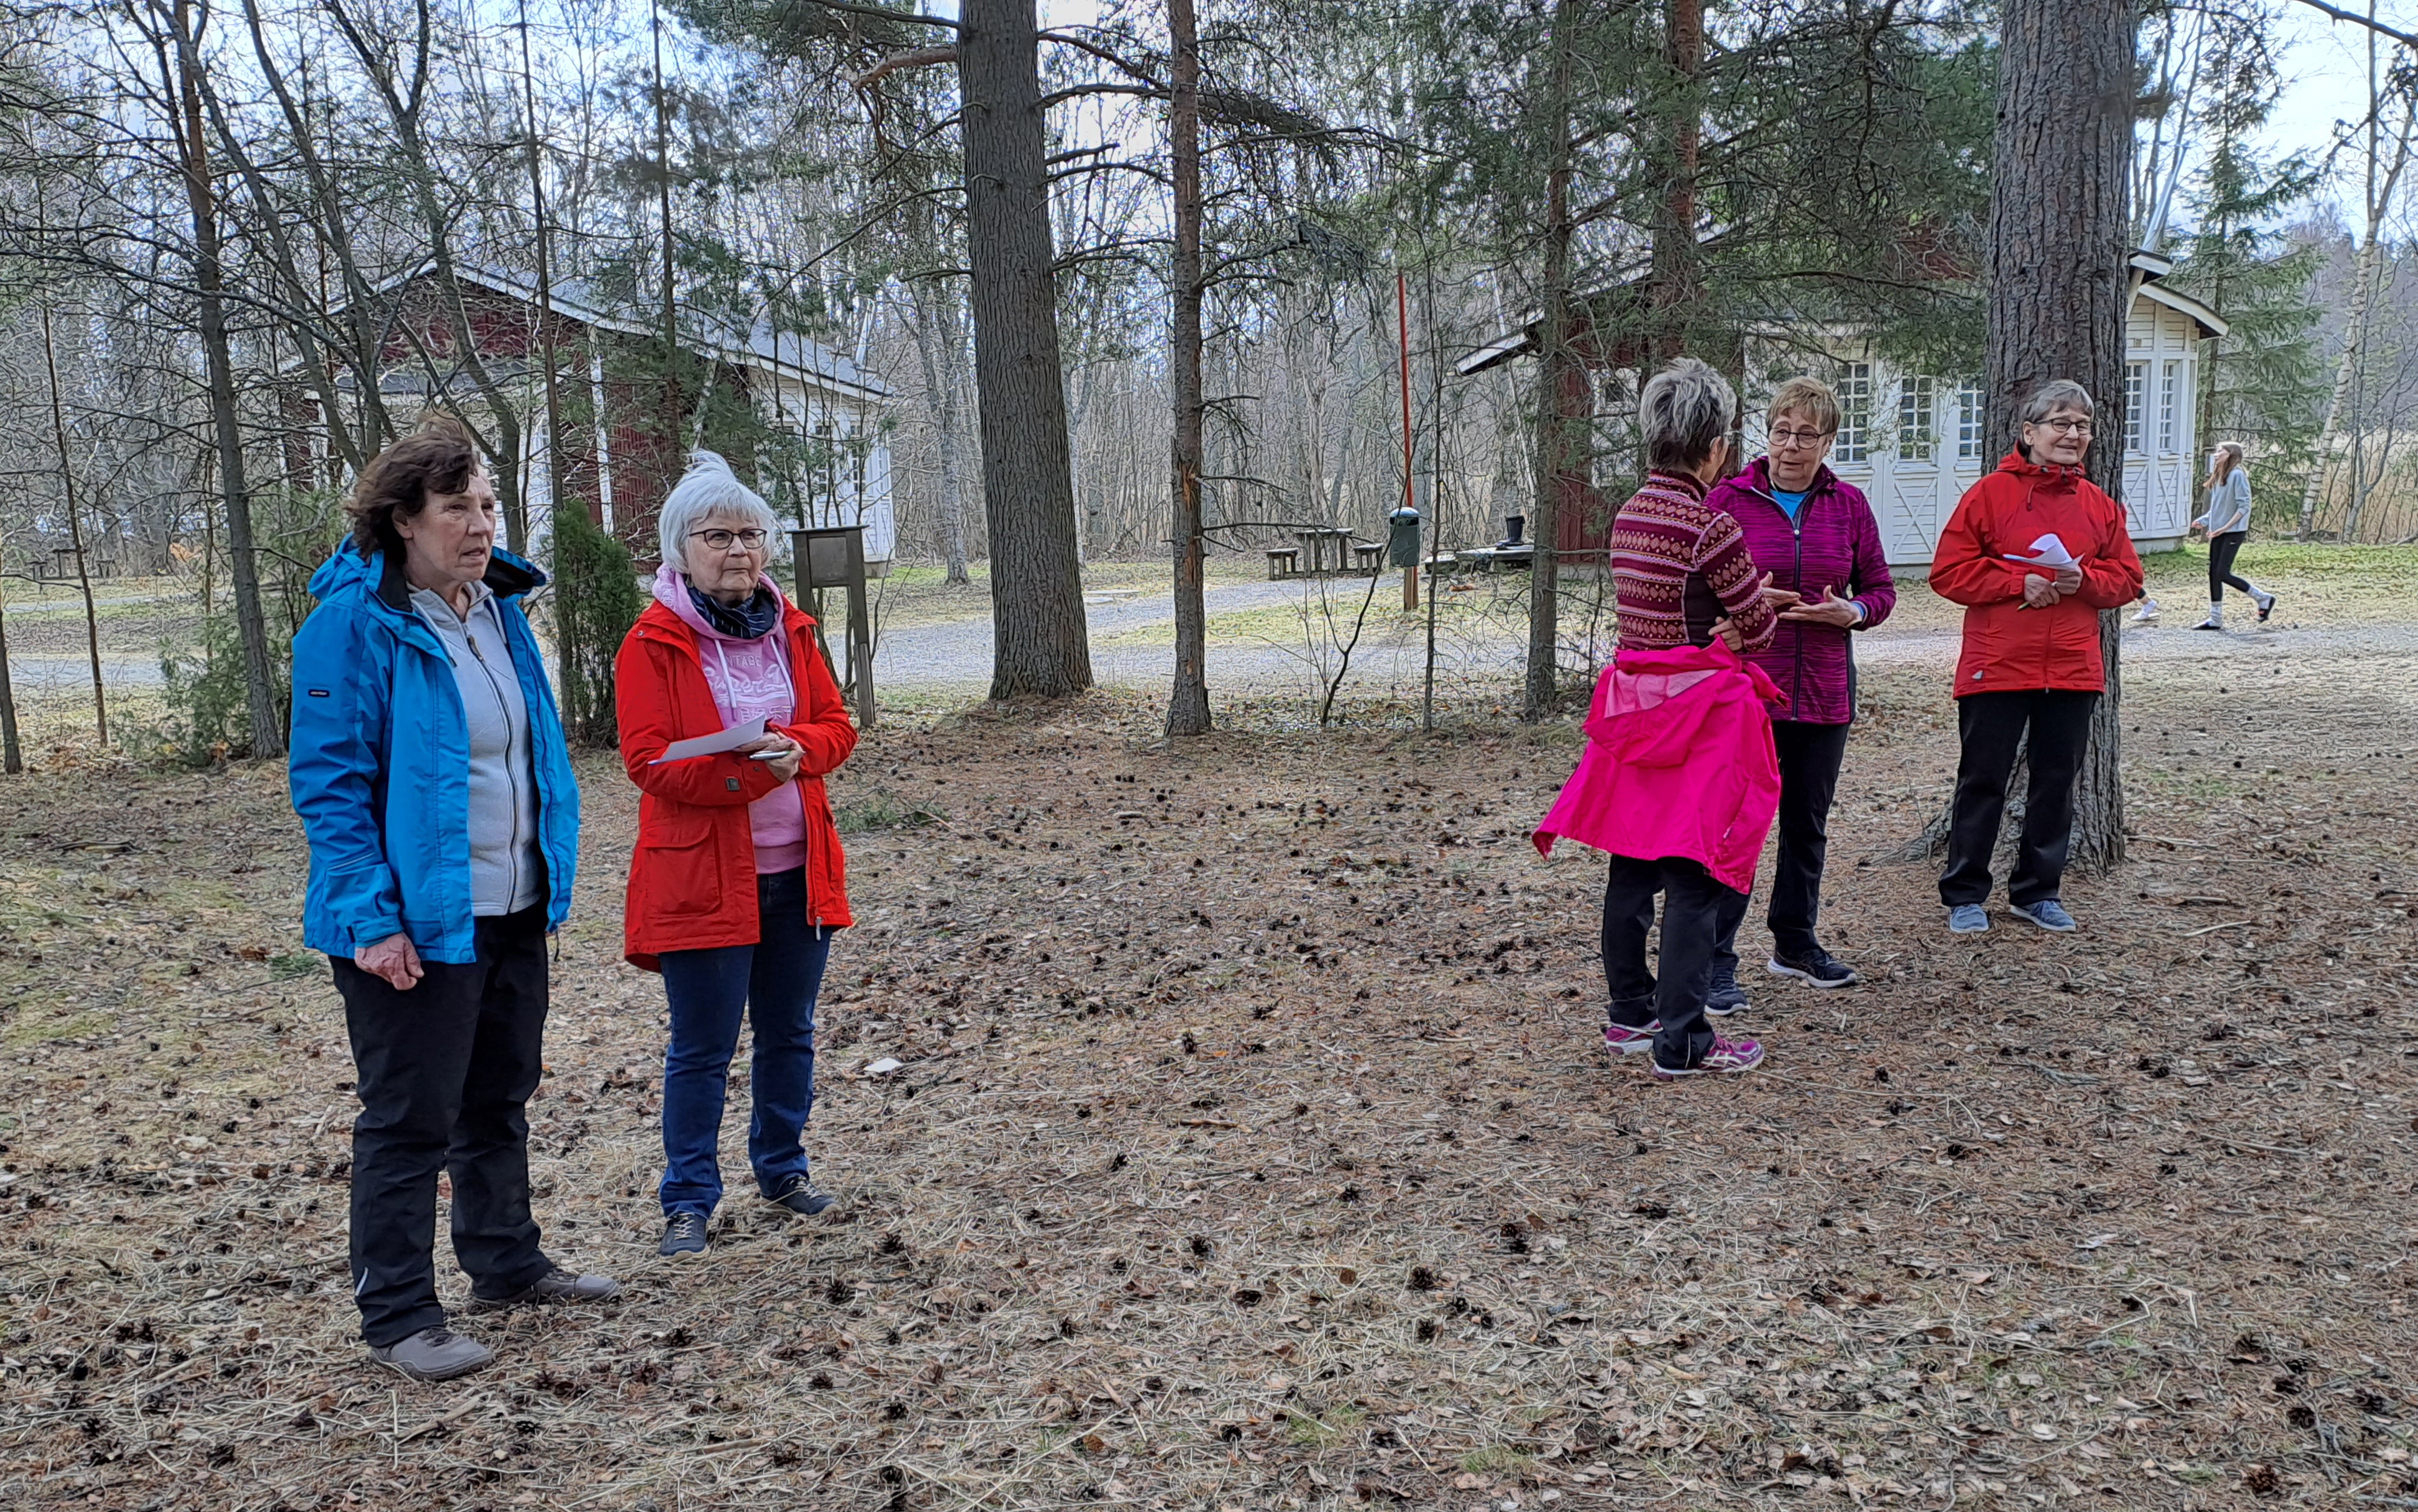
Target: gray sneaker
[
  {"x": 684, "y": 1234},
  {"x": 2049, "y": 914},
  {"x": 800, "y": 1196},
  {"x": 1725, "y": 997},
  {"x": 1968, "y": 919},
  {"x": 434, "y": 1354},
  {"x": 556, "y": 1284}
]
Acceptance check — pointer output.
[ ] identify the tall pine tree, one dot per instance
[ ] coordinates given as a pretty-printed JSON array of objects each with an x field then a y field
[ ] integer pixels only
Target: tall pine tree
[{"x": 2264, "y": 382}]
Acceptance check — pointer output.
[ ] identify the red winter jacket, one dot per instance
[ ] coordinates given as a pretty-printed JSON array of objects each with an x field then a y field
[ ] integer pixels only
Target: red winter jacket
[
  {"x": 2008, "y": 648},
  {"x": 692, "y": 874}
]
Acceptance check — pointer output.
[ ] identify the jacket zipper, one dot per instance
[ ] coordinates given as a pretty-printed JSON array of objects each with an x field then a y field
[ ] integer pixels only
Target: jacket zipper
[
  {"x": 504, "y": 710},
  {"x": 1797, "y": 664}
]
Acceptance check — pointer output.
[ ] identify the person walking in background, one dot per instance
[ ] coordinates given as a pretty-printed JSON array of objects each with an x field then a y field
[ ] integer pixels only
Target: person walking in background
[
  {"x": 430, "y": 775},
  {"x": 1678, "y": 780},
  {"x": 2228, "y": 524},
  {"x": 1815, "y": 536},
  {"x": 2033, "y": 552},
  {"x": 738, "y": 879}
]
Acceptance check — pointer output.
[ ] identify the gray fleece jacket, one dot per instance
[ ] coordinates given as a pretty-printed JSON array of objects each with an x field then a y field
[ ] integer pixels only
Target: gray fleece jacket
[{"x": 506, "y": 874}]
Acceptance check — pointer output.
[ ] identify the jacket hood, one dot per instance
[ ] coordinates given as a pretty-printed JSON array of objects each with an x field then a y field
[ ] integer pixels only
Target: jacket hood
[
  {"x": 2040, "y": 472},
  {"x": 379, "y": 575},
  {"x": 671, "y": 589}
]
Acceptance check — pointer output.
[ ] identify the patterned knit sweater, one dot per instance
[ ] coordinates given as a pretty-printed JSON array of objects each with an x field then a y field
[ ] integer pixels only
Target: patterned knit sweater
[{"x": 1677, "y": 566}]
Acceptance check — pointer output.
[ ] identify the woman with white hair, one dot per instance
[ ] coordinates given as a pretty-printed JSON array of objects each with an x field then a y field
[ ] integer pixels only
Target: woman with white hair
[{"x": 738, "y": 879}]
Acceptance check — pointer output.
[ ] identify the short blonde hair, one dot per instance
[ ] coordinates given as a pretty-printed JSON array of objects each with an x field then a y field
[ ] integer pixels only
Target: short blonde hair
[{"x": 1809, "y": 397}]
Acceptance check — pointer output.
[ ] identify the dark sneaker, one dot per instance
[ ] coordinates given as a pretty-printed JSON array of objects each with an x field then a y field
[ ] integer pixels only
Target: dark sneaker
[
  {"x": 2049, "y": 914},
  {"x": 557, "y": 1285},
  {"x": 2266, "y": 605},
  {"x": 1623, "y": 1039},
  {"x": 434, "y": 1354},
  {"x": 1725, "y": 997},
  {"x": 1813, "y": 966},
  {"x": 684, "y": 1234},
  {"x": 799, "y": 1196},
  {"x": 1727, "y": 1055}
]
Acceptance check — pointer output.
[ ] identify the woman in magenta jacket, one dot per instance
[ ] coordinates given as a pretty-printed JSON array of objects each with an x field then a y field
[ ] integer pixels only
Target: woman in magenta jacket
[{"x": 1818, "y": 540}]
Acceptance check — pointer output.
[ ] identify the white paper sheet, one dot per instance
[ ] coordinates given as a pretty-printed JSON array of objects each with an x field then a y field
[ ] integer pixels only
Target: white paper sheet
[
  {"x": 730, "y": 740},
  {"x": 2049, "y": 552}
]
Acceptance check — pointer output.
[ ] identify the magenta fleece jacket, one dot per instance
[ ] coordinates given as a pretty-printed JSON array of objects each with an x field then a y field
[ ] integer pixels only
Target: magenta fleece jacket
[{"x": 1835, "y": 542}]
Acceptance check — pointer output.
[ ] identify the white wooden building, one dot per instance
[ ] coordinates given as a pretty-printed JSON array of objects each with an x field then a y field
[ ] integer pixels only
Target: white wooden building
[{"x": 1914, "y": 442}]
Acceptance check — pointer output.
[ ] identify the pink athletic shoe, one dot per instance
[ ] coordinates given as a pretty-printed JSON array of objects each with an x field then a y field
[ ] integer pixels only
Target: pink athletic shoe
[
  {"x": 1726, "y": 1055},
  {"x": 1623, "y": 1039}
]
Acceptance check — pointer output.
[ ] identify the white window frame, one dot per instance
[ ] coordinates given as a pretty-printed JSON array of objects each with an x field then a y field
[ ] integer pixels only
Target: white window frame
[
  {"x": 1917, "y": 428},
  {"x": 1968, "y": 421},
  {"x": 2170, "y": 390},
  {"x": 2137, "y": 397},
  {"x": 1855, "y": 391}
]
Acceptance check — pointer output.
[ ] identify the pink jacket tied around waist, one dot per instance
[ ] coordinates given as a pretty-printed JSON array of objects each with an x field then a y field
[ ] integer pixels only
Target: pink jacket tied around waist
[{"x": 1678, "y": 763}]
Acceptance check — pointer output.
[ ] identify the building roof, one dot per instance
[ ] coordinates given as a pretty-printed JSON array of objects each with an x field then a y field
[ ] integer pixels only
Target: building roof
[
  {"x": 2152, "y": 267},
  {"x": 765, "y": 348}
]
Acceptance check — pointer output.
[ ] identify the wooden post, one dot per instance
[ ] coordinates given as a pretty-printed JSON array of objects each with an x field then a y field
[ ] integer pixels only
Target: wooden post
[{"x": 1402, "y": 326}]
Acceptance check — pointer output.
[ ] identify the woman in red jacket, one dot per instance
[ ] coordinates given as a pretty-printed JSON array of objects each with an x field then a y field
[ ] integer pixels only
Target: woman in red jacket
[
  {"x": 738, "y": 879},
  {"x": 2034, "y": 552}
]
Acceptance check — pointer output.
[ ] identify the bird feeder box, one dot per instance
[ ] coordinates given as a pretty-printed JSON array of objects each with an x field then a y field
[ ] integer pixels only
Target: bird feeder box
[{"x": 833, "y": 558}]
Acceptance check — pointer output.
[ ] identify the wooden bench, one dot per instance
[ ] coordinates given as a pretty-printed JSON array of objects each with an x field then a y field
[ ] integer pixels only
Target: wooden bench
[
  {"x": 1368, "y": 557},
  {"x": 1283, "y": 562}
]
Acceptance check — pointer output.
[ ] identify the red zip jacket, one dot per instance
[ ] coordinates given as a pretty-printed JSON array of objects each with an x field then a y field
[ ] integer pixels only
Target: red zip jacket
[
  {"x": 692, "y": 874},
  {"x": 2008, "y": 648},
  {"x": 1833, "y": 542}
]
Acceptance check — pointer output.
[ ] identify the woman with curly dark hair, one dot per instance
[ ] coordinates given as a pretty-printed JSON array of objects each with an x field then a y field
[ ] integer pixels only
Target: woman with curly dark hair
[{"x": 430, "y": 775}]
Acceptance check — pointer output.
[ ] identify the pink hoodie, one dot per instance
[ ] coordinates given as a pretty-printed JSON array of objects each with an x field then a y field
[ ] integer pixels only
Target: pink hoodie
[
  {"x": 1679, "y": 762},
  {"x": 750, "y": 678}
]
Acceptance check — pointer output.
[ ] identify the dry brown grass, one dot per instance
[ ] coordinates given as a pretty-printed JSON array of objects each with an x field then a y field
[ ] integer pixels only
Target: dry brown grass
[{"x": 1256, "y": 1149}]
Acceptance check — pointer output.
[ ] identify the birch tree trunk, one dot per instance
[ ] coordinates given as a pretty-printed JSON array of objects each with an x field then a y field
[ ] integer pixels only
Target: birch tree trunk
[
  {"x": 1041, "y": 646},
  {"x": 2060, "y": 280}
]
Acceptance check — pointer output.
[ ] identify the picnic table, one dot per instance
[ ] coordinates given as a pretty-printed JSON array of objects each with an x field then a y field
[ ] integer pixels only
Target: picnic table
[{"x": 1319, "y": 543}]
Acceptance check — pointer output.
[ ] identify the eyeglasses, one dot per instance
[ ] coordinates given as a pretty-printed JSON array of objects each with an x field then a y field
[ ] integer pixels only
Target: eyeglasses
[
  {"x": 1797, "y": 439},
  {"x": 2068, "y": 427},
  {"x": 749, "y": 539}
]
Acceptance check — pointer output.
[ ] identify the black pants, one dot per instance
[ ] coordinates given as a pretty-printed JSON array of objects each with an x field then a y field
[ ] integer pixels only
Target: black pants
[
  {"x": 2220, "y": 552},
  {"x": 1692, "y": 903},
  {"x": 446, "y": 1071},
  {"x": 1810, "y": 758},
  {"x": 1992, "y": 726}
]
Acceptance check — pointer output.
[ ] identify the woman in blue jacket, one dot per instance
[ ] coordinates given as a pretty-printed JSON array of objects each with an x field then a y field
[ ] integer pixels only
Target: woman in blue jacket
[{"x": 429, "y": 767}]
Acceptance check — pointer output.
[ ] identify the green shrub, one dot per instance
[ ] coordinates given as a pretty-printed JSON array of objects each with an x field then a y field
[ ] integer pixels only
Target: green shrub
[{"x": 596, "y": 601}]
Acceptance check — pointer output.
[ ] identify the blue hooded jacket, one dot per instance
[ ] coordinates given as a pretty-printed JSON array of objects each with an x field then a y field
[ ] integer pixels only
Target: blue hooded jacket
[{"x": 381, "y": 763}]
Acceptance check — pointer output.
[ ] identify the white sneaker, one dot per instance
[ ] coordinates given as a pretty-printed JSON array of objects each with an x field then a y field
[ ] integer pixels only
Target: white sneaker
[{"x": 2148, "y": 613}]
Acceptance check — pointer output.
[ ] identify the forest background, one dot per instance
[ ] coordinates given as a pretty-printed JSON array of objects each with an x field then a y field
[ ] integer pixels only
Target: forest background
[{"x": 208, "y": 210}]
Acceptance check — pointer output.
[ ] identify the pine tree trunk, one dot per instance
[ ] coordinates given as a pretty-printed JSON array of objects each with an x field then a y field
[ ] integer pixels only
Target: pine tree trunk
[
  {"x": 1678, "y": 275},
  {"x": 251, "y": 631},
  {"x": 2059, "y": 282},
  {"x": 1187, "y": 704},
  {"x": 1565, "y": 397},
  {"x": 1041, "y": 645}
]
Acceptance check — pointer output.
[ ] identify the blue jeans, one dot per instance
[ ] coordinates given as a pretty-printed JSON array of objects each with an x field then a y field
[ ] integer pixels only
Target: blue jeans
[{"x": 773, "y": 983}]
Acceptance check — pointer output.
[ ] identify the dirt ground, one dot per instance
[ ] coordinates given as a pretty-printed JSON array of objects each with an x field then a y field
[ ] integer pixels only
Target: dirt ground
[{"x": 1255, "y": 1147}]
